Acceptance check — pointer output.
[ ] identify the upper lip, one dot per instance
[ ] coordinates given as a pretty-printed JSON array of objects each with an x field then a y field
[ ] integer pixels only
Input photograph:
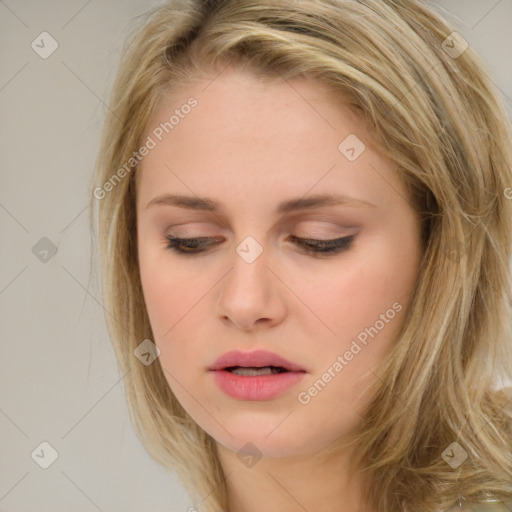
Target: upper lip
[{"x": 255, "y": 358}]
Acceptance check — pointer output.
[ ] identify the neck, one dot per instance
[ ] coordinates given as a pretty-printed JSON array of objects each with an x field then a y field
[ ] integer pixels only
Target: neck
[{"x": 323, "y": 482}]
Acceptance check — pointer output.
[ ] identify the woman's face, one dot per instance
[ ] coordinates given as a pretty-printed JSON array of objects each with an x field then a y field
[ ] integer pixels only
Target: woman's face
[{"x": 235, "y": 154}]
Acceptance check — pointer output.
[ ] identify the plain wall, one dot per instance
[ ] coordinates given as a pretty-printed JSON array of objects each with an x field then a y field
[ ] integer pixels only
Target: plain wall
[{"x": 59, "y": 378}]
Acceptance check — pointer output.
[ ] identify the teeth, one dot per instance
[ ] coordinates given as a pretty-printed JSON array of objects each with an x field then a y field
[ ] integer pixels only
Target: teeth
[{"x": 252, "y": 371}]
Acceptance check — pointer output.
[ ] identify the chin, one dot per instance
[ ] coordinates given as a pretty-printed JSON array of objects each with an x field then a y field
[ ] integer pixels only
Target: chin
[{"x": 265, "y": 442}]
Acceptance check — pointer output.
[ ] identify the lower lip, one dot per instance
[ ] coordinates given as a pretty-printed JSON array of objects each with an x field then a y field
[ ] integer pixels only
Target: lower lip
[{"x": 261, "y": 387}]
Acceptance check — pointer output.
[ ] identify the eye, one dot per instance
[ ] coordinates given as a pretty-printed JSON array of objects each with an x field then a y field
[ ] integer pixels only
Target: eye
[
  {"x": 190, "y": 246},
  {"x": 327, "y": 247}
]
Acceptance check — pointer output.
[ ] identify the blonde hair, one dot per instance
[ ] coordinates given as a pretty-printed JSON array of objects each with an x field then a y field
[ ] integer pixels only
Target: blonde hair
[{"x": 436, "y": 115}]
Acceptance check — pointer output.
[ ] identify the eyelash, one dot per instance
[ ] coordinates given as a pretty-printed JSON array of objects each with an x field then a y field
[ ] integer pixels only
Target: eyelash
[{"x": 310, "y": 245}]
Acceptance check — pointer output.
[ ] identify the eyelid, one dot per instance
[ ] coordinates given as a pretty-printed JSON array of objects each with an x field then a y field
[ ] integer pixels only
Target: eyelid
[
  {"x": 314, "y": 223},
  {"x": 312, "y": 246}
]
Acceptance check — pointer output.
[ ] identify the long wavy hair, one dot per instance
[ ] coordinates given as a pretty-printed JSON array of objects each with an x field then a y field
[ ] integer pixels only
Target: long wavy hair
[{"x": 433, "y": 110}]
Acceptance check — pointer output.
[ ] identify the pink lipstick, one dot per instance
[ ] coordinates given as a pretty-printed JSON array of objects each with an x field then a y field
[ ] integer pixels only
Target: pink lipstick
[{"x": 256, "y": 375}]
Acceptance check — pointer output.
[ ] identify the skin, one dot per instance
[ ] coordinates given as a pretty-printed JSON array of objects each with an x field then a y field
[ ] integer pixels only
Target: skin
[{"x": 250, "y": 145}]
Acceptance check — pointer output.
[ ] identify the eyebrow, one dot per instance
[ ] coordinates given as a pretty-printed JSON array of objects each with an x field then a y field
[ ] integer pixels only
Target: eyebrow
[{"x": 302, "y": 203}]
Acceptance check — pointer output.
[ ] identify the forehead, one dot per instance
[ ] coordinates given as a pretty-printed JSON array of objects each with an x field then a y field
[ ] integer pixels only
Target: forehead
[
  {"x": 237, "y": 103},
  {"x": 245, "y": 131},
  {"x": 234, "y": 87}
]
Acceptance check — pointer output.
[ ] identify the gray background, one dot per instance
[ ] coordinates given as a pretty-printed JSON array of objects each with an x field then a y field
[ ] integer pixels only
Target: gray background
[{"x": 59, "y": 380}]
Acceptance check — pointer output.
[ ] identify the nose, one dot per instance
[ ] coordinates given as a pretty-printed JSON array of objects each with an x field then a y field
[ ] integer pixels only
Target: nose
[{"x": 252, "y": 296}]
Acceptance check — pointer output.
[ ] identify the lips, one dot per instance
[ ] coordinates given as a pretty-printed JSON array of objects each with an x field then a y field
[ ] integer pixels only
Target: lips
[
  {"x": 254, "y": 359},
  {"x": 255, "y": 376}
]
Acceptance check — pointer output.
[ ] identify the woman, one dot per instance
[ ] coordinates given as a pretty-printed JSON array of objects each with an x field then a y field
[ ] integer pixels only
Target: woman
[{"x": 305, "y": 217}]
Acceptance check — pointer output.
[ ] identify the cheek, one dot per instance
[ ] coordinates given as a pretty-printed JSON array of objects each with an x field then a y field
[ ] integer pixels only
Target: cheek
[
  {"x": 170, "y": 307},
  {"x": 167, "y": 294},
  {"x": 353, "y": 297},
  {"x": 362, "y": 303},
  {"x": 176, "y": 302},
  {"x": 169, "y": 303}
]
